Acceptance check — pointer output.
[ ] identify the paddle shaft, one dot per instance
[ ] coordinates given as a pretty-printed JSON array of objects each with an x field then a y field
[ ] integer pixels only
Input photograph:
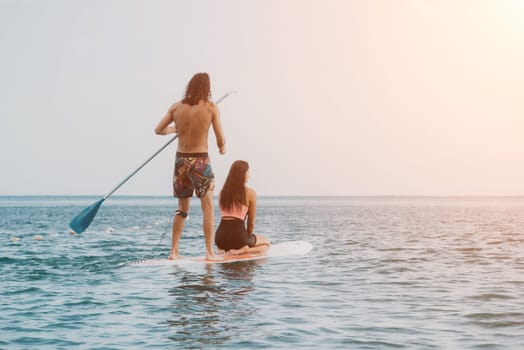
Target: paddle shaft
[{"x": 153, "y": 156}]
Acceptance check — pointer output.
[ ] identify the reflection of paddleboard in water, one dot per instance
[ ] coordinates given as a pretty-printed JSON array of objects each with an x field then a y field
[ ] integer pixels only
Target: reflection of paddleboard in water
[{"x": 280, "y": 249}]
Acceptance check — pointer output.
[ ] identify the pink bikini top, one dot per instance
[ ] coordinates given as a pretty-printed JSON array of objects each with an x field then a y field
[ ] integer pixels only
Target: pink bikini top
[{"x": 238, "y": 212}]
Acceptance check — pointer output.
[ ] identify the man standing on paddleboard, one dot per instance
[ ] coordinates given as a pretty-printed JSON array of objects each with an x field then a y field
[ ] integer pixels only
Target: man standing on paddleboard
[{"x": 192, "y": 117}]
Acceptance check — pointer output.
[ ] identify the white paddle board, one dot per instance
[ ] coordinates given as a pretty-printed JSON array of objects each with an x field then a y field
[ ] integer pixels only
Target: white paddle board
[{"x": 275, "y": 250}]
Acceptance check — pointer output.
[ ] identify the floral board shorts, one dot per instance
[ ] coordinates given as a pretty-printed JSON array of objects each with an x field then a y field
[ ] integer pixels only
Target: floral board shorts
[{"x": 193, "y": 173}]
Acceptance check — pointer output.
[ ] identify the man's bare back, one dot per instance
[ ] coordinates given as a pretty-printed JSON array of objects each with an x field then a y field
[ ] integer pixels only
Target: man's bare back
[{"x": 192, "y": 126}]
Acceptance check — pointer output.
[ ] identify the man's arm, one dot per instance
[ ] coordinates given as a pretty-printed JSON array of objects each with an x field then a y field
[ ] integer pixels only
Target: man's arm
[
  {"x": 219, "y": 131},
  {"x": 163, "y": 127}
]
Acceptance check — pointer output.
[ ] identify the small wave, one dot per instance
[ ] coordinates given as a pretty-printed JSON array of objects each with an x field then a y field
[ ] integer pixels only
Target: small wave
[
  {"x": 501, "y": 324},
  {"x": 90, "y": 302},
  {"x": 23, "y": 291},
  {"x": 64, "y": 325},
  {"x": 371, "y": 344},
  {"x": 516, "y": 282},
  {"x": 7, "y": 260},
  {"x": 398, "y": 249},
  {"x": 491, "y": 296},
  {"x": 394, "y": 270},
  {"x": 393, "y": 261},
  {"x": 494, "y": 242},
  {"x": 469, "y": 249},
  {"x": 491, "y": 316},
  {"x": 497, "y": 320},
  {"x": 34, "y": 341}
]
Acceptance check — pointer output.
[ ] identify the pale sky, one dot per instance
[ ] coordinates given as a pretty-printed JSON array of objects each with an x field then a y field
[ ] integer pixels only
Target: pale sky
[{"x": 407, "y": 97}]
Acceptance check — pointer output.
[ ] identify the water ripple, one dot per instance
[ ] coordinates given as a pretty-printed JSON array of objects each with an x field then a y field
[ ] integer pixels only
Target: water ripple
[{"x": 416, "y": 273}]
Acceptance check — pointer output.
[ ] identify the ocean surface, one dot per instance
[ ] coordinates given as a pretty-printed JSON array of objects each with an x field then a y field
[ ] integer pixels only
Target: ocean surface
[{"x": 385, "y": 273}]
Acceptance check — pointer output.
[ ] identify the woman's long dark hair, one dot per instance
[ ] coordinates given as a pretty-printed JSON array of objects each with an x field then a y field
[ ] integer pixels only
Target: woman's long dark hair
[
  {"x": 234, "y": 191},
  {"x": 198, "y": 89}
]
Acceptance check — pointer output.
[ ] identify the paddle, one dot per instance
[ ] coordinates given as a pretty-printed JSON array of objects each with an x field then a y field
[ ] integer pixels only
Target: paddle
[{"x": 80, "y": 222}]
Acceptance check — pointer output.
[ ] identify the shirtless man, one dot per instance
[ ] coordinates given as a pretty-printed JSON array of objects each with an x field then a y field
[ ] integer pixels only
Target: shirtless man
[{"x": 192, "y": 118}]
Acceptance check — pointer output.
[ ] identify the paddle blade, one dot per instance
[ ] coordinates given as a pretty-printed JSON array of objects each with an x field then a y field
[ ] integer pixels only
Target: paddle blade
[{"x": 82, "y": 220}]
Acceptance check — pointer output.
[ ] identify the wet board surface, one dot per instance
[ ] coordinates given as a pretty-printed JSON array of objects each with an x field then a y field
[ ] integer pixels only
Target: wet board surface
[{"x": 283, "y": 249}]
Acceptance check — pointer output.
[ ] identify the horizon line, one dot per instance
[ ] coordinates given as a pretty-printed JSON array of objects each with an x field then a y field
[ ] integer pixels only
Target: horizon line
[{"x": 287, "y": 195}]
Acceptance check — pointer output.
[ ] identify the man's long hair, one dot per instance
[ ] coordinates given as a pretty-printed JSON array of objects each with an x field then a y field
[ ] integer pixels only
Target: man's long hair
[
  {"x": 198, "y": 89},
  {"x": 233, "y": 192}
]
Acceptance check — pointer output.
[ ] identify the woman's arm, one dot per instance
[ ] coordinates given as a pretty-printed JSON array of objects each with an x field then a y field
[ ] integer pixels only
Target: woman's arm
[
  {"x": 251, "y": 197},
  {"x": 163, "y": 127}
]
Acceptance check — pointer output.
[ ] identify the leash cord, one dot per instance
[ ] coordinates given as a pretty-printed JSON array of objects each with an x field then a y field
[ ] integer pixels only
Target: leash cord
[{"x": 151, "y": 253}]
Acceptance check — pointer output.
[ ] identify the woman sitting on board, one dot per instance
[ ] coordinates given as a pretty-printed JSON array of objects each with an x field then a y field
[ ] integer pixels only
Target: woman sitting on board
[{"x": 236, "y": 202}]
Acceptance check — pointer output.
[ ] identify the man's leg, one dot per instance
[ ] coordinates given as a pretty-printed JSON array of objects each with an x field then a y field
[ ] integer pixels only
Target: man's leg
[
  {"x": 209, "y": 221},
  {"x": 178, "y": 226}
]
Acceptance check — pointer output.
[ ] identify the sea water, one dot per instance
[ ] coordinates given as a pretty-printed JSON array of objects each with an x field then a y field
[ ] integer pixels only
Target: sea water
[{"x": 385, "y": 272}]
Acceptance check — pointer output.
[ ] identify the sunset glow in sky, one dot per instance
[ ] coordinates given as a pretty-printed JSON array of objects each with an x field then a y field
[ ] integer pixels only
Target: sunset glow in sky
[{"x": 334, "y": 97}]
